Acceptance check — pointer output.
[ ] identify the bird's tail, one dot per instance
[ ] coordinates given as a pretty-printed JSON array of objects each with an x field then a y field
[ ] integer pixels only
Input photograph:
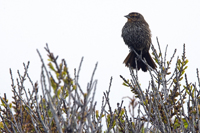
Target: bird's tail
[{"x": 131, "y": 60}]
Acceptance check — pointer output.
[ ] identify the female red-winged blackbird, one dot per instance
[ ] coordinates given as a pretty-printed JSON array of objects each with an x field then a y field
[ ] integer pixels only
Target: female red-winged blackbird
[{"x": 136, "y": 34}]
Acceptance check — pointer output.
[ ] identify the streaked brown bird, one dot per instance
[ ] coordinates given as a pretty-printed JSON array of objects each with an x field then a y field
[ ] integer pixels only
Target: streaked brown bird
[{"x": 136, "y": 34}]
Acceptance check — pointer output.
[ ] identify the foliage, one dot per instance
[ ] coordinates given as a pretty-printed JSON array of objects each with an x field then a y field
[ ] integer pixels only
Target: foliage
[
  {"x": 62, "y": 107},
  {"x": 165, "y": 106},
  {"x": 164, "y": 100}
]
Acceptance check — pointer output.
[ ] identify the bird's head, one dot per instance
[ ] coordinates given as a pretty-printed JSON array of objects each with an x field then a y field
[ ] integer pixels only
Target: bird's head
[{"x": 134, "y": 16}]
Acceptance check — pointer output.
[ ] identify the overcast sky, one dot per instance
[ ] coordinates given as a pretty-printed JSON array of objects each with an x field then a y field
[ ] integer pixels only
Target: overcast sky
[{"x": 92, "y": 29}]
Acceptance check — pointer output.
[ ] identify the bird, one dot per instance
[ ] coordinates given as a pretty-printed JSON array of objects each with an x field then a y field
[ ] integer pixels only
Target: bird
[{"x": 137, "y": 35}]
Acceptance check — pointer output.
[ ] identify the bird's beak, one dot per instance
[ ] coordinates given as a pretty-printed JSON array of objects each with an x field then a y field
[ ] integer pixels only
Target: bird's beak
[{"x": 127, "y": 16}]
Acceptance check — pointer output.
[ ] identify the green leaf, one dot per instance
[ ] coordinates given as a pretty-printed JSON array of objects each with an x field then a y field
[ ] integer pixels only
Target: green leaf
[
  {"x": 174, "y": 80},
  {"x": 185, "y": 123},
  {"x": 187, "y": 91},
  {"x": 179, "y": 62},
  {"x": 53, "y": 84},
  {"x": 185, "y": 68},
  {"x": 10, "y": 105},
  {"x": 97, "y": 114},
  {"x": 65, "y": 69},
  {"x": 67, "y": 93},
  {"x": 182, "y": 72},
  {"x": 74, "y": 87},
  {"x": 193, "y": 92},
  {"x": 57, "y": 75},
  {"x": 58, "y": 92},
  {"x": 51, "y": 66},
  {"x": 64, "y": 73},
  {"x": 61, "y": 66},
  {"x": 1, "y": 125},
  {"x": 176, "y": 124},
  {"x": 186, "y": 61},
  {"x": 125, "y": 84}
]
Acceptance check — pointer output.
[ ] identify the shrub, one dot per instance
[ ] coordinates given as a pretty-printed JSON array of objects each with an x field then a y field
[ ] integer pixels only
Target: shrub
[{"x": 63, "y": 106}]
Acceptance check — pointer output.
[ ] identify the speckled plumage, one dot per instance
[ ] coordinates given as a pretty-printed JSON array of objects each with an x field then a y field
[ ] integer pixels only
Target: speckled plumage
[{"x": 136, "y": 34}]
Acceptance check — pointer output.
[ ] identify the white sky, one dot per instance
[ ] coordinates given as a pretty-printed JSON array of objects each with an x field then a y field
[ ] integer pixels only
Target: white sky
[{"x": 92, "y": 29}]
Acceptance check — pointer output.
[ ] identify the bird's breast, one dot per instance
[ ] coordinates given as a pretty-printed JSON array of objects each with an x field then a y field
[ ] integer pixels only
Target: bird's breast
[{"x": 136, "y": 35}]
